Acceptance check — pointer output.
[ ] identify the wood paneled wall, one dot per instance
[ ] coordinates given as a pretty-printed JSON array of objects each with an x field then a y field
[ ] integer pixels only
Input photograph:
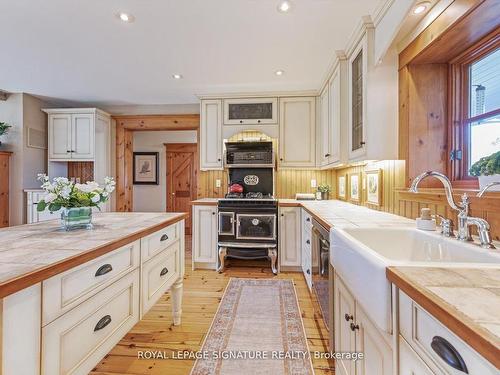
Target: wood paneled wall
[{"x": 83, "y": 170}]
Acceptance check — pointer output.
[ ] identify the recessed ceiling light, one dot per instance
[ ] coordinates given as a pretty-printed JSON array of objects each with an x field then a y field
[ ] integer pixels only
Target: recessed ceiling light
[
  {"x": 126, "y": 17},
  {"x": 284, "y": 6},
  {"x": 279, "y": 72},
  {"x": 177, "y": 76},
  {"x": 421, "y": 7}
]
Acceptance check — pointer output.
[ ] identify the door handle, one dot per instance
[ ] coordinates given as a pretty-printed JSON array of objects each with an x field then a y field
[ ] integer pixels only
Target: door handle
[{"x": 448, "y": 353}]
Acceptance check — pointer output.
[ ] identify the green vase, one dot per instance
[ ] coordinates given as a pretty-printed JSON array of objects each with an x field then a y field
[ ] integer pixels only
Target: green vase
[{"x": 76, "y": 218}]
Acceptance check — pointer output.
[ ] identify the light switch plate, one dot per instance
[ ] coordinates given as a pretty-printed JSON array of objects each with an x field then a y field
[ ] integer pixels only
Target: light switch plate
[
  {"x": 313, "y": 183},
  {"x": 217, "y": 183}
]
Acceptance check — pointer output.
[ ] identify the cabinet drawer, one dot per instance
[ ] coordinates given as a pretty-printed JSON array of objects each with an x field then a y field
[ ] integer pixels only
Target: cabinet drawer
[
  {"x": 409, "y": 361},
  {"x": 75, "y": 342},
  {"x": 158, "y": 274},
  {"x": 68, "y": 289},
  {"x": 419, "y": 329},
  {"x": 158, "y": 241}
]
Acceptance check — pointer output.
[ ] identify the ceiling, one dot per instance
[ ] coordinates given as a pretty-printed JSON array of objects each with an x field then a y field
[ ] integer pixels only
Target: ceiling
[{"x": 78, "y": 50}]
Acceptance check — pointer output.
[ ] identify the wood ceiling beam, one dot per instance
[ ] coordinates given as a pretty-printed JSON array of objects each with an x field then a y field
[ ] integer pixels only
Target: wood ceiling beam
[{"x": 159, "y": 122}]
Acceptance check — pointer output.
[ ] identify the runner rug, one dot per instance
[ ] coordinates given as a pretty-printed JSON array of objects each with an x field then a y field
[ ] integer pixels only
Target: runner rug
[{"x": 257, "y": 329}]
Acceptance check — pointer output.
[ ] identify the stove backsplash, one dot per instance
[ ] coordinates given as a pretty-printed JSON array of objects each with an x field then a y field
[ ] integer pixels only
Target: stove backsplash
[{"x": 253, "y": 180}]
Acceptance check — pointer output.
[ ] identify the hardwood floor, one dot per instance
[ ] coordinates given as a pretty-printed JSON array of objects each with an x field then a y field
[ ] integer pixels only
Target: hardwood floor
[{"x": 203, "y": 290}]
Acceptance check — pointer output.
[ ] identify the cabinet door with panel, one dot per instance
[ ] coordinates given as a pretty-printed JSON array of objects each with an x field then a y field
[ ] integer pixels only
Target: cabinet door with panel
[
  {"x": 290, "y": 236},
  {"x": 59, "y": 136},
  {"x": 345, "y": 336},
  {"x": 251, "y": 111},
  {"x": 357, "y": 72},
  {"x": 409, "y": 362},
  {"x": 324, "y": 124},
  {"x": 211, "y": 135},
  {"x": 297, "y": 146},
  {"x": 334, "y": 116},
  {"x": 82, "y": 136},
  {"x": 377, "y": 352},
  {"x": 205, "y": 234}
]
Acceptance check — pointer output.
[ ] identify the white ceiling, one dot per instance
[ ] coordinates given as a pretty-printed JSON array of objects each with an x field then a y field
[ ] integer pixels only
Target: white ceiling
[{"x": 78, "y": 50}]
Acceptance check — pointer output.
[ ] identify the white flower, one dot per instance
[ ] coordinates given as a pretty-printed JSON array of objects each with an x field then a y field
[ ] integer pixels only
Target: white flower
[
  {"x": 65, "y": 192},
  {"x": 49, "y": 197},
  {"x": 89, "y": 187},
  {"x": 105, "y": 194},
  {"x": 96, "y": 198},
  {"x": 61, "y": 180}
]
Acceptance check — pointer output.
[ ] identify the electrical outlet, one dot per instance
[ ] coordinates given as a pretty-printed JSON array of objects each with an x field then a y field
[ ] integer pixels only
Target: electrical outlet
[
  {"x": 313, "y": 183},
  {"x": 217, "y": 183}
]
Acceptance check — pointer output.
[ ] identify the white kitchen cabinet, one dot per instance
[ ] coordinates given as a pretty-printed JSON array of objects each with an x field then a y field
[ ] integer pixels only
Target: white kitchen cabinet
[
  {"x": 251, "y": 111},
  {"x": 211, "y": 135},
  {"x": 32, "y": 214},
  {"x": 409, "y": 362},
  {"x": 335, "y": 115},
  {"x": 324, "y": 127},
  {"x": 290, "y": 239},
  {"x": 71, "y": 133},
  {"x": 297, "y": 142},
  {"x": 204, "y": 236},
  {"x": 355, "y": 332},
  {"x": 306, "y": 257}
]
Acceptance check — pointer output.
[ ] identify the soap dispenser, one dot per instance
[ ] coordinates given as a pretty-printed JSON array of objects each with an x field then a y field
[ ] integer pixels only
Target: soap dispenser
[{"x": 425, "y": 221}]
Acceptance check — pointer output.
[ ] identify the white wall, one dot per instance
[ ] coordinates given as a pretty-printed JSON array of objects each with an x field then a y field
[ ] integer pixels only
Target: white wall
[
  {"x": 152, "y": 198},
  {"x": 22, "y": 111}
]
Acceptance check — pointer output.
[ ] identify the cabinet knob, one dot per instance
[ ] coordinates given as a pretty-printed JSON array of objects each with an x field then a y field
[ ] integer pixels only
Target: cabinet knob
[
  {"x": 213, "y": 213},
  {"x": 241, "y": 121},
  {"x": 308, "y": 242},
  {"x": 308, "y": 219},
  {"x": 308, "y": 271},
  {"x": 281, "y": 159},
  {"x": 218, "y": 159},
  {"x": 354, "y": 327},
  {"x": 327, "y": 155},
  {"x": 348, "y": 317},
  {"x": 362, "y": 143},
  {"x": 258, "y": 121}
]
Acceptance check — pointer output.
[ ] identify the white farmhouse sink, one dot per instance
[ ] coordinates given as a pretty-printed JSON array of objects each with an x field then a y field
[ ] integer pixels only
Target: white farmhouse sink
[{"x": 360, "y": 256}]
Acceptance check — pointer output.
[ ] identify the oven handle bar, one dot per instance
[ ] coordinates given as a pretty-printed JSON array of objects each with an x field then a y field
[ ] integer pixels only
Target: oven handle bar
[{"x": 247, "y": 245}]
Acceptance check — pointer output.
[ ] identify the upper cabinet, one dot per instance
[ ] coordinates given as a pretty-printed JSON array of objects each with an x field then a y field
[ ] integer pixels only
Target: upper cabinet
[
  {"x": 297, "y": 142},
  {"x": 71, "y": 133},
  {"x": 211, "y": 135},
  {"x": 324, "y": 128},
  {"x": 251, "y": 111}
]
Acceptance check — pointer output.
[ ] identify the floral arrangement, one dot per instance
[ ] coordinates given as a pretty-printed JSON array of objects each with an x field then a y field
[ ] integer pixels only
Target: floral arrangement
[
  {"x": 62, "y": 192},
  {"x": 324, "y": 188},
  {"x": 487, "y": 166},
  {"x": 4, "y": 127}
]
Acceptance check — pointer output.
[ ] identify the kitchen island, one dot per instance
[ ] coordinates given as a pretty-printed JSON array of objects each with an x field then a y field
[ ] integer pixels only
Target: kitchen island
[{"x": 69, "y": 297}]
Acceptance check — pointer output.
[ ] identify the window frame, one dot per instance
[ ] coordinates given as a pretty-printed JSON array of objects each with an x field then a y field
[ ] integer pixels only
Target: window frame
[{"x": 458, "y": 129}]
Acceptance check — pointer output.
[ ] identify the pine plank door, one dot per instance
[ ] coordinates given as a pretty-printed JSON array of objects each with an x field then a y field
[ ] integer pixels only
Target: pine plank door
[{"x": 182, "y": 173}]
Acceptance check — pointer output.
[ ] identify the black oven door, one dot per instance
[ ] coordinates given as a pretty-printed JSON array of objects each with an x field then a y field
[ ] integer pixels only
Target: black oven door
[{"x": 256, "y": 226}]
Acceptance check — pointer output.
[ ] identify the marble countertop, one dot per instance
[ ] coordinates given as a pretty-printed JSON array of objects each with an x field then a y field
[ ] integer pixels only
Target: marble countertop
[
  {"x": 466, "y": 300},
  {"x": 34, "y": 252}
]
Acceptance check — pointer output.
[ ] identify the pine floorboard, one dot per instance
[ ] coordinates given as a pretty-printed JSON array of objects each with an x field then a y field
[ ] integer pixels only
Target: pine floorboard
[{"x": 203, "y": 290}]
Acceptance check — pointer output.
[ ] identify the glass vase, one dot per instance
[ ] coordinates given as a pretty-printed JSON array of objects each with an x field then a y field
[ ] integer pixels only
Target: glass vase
[{"x": 76, "y": 218}]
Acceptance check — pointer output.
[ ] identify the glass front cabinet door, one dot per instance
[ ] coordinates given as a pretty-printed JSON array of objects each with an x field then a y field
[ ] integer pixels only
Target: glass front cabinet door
[{"x": 253, "y": 111}]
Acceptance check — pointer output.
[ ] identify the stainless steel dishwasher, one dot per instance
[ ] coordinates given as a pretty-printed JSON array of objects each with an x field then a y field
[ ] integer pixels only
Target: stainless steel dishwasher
[{"x": 320, "y": 257}]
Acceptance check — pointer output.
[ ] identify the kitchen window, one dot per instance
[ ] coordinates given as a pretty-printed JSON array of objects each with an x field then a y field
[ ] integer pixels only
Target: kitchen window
[{"x": 475, "y": 114}]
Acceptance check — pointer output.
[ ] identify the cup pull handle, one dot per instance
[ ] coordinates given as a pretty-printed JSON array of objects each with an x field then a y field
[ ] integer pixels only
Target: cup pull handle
[
  {"x": 103, "y": 322},
  {"x": 448, "y": 354},
  {"x": 164, "y": 271},
  {"x": 164, "y": 237},
  {"x": 104, "y": 269}
]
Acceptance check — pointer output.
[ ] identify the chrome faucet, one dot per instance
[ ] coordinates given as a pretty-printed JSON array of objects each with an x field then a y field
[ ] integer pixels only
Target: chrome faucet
[
  {"x": 483, "y": 190},
  {"x": 464, "y": 221}
]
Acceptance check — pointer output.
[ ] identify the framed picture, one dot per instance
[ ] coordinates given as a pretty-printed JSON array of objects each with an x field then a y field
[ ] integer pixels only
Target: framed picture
[
  {"x": 355, "y": 187},
  {"x": 146, "y": 168},
  {"x": 342, "y": 187},
  {"x": 373, "y": 187}
]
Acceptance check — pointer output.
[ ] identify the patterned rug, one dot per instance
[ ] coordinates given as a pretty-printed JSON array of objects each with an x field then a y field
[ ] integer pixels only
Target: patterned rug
[{"x": 257, "y": 329}]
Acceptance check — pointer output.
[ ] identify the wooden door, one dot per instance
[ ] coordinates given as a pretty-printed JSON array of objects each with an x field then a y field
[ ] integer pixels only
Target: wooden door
[
  {"x": 59, "y": 136},
  {"x": 182, "y": 175}
]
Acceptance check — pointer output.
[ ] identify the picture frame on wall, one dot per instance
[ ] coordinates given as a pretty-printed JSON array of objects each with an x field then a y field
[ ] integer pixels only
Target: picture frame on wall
[
  {"x": 146, "y": 168},
  {"x": 342, "y": 189},
  {"x": 355, "y": 187},
  {"x": 374, "y": 187}
]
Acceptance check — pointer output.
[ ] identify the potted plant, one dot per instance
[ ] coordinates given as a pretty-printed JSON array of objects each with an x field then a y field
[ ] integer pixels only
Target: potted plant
[
  {"x": 324, "y": 189},
  {"x": 487, "y": 170},
  {"x": 73, "y": 199},
  {"x": 4, "y": 127}
]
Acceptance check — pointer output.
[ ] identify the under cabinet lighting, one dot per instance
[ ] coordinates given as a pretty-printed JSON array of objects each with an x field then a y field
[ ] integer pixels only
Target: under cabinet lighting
[
  {"x": 421, "y": 7},
  {"x": 284, "y": 6}
]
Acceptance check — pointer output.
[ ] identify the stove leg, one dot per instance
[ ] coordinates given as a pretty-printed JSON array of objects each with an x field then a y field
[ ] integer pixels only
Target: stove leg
[
  {"x": 273, "y": 255},
  {"x": 222, "y": 258}
]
